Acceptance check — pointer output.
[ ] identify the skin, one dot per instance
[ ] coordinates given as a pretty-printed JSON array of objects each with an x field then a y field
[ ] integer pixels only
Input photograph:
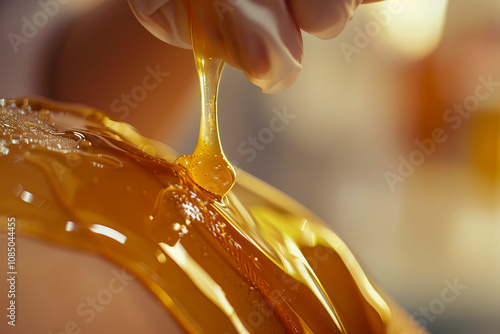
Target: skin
[{"x": 49, "y": 298}]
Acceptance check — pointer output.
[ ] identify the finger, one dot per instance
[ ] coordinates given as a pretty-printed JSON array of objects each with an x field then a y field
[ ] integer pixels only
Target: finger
[
  {"x": 168, "y": 20},
  {"x": 258, "y": 37},
  {"x": 323, "y": 18}
]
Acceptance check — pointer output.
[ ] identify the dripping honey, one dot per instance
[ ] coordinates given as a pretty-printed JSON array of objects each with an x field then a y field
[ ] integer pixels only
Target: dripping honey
[{"x": 208, "y": 166}]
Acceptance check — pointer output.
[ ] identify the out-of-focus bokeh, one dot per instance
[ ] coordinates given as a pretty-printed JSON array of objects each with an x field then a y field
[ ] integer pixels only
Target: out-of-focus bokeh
[{"x": 392, "y": 136}]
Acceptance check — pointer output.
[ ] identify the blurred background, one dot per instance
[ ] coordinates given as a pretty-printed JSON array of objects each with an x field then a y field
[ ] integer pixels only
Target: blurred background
[{"x": 391, "y": 135}]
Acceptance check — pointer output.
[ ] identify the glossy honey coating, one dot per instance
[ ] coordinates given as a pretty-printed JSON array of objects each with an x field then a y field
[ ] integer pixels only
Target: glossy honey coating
[{"x": 249, "y": 263}]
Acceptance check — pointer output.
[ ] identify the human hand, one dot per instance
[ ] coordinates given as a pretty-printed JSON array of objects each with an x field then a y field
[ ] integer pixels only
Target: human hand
[{"x": 259, "y": 37}]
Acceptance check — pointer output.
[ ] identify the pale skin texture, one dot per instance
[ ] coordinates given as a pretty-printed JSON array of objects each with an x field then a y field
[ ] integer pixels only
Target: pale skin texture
[
  {"x": 104, "y": 56},
  {"x": 62, "y": 290}
]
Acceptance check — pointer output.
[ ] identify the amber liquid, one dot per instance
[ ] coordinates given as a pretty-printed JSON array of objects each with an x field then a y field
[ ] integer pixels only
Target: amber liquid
[
  {"x": 208, "y": 166},
  {"x": 245, "y": 260}
]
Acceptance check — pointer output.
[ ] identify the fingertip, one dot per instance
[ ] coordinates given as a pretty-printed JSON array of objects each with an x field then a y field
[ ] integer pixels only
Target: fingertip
[
  {"x": 277, "y": 80},
  {"x": 324, "y": 19},
  {"x": 168, "y": 20}
]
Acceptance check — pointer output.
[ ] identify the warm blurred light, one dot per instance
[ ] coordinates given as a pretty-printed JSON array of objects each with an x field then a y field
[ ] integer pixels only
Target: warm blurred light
[{"x": 414, "y": 27}]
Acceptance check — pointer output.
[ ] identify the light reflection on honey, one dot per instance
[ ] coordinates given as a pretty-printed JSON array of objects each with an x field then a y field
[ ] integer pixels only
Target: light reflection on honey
[{"x": 255, "y": 262}]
